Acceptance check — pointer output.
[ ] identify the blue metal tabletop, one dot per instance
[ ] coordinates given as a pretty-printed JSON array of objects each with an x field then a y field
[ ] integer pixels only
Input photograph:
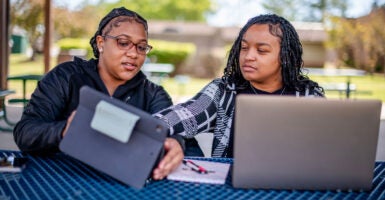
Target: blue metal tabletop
[{"x": 61, "y": 177}]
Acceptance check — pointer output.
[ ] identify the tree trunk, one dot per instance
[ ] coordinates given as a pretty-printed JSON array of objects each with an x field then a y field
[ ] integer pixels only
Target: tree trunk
[{"x": 33, "y": 56}]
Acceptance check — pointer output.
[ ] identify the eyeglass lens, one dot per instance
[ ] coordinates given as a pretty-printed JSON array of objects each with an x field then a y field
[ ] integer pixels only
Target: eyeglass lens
[{"x": 126, "y": 44}]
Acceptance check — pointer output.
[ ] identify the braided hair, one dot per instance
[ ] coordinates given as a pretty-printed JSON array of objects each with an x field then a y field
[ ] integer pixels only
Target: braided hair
[{"x": 290, "y": 55}]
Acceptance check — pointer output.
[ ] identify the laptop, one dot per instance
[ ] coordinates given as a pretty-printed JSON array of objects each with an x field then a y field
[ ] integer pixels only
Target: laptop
[
  {"x": 115, "y": 138},
  {"x": 283, "y": 142}
]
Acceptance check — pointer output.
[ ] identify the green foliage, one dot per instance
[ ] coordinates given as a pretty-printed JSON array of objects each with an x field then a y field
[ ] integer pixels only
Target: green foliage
[
  {"x": 306, "y": 10},
  {"x": 284, "y": 8},
  {"x": 76, "y": 23},
  {"x": 28, "y": 15},
  {"x": 171, "y": 52},
  {"x": 360, "y": 43},
  {"x": 163, "y": 51},
  {"x": 75, "y": 43},
  {"x": 189, "y": 10}
]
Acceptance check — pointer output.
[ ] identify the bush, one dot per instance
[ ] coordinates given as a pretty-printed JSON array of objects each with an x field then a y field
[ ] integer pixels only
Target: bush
[
  {"x": 67, "y": 44},
  {"x": 175, "y": 53},
  {"x": 163, "y": 51}
]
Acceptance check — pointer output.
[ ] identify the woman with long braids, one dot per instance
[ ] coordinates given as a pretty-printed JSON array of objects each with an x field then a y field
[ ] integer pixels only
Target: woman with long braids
[{"x": 266, "y": 58}]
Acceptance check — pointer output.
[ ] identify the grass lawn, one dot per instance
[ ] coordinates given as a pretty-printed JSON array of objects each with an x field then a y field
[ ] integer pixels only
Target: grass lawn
[{"x": 368, "y": 87}]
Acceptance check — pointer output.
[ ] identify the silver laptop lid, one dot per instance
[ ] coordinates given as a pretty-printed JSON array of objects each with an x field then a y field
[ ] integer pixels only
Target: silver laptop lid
[{"x": 304, "y": 143}]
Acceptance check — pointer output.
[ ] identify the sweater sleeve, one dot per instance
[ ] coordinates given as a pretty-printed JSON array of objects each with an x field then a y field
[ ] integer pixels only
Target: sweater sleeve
[{"x": 195, "y": 116}]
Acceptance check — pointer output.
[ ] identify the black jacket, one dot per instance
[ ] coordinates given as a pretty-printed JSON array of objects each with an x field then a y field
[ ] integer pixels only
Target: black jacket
[{"x": 57, "y": 95}]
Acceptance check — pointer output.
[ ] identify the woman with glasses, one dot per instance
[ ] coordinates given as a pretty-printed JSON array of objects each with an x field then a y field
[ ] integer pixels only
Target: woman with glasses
[{"x": 120, "y": 46}]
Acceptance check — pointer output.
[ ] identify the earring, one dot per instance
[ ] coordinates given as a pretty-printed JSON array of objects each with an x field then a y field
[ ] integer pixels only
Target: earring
[{"x": 101, "y": 50}]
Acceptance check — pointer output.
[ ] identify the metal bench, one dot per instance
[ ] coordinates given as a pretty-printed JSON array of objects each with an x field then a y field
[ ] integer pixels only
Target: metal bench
[
  {"x": 343, "y": 89},
  {"x": 3, "y": 111}
]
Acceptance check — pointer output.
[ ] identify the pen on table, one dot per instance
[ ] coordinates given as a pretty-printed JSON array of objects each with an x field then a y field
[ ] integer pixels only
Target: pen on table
[{"x": 195, "y": 167}]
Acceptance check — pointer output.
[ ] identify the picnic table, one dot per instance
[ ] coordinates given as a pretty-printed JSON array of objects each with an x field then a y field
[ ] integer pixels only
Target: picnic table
[
  {"x": 62, "y": 177},
  {"x": 24, "y": 78},
  {"x": 156, "y": 72},
  {"x": 347, "y": 87}
]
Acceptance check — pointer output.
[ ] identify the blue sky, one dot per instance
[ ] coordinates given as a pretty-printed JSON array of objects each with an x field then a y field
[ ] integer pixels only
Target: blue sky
[{"x": 235, "y": 12}]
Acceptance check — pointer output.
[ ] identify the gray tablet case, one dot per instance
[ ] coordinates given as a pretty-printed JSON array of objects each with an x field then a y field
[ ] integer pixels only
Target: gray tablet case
[{"x": 115, "y": 138}]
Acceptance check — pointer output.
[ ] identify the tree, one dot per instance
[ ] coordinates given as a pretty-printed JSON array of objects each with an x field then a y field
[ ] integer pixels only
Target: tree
[
  {"x": 28, "y": 14},
  {"x": 360, "y": 43},
  {"x": 307, "y": 10},
  {"x": 82, "y": 21},
  {"x": 188, "y": 10},
  {"x": 290, "y": 9},
  {"x": 76, "y": 23},
  {"x": 321, "y": 9}
]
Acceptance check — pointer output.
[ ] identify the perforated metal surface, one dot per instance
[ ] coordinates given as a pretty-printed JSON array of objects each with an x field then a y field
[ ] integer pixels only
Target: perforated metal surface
[{"x": 61, "y": 177}]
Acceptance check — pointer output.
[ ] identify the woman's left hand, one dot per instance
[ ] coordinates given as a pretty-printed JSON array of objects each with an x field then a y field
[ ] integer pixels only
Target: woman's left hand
[{"x": 172, "y": 159}]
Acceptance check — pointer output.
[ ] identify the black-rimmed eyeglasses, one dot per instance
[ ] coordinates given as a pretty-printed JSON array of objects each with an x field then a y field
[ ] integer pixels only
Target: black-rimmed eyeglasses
[{"x": 126, "y": 44}]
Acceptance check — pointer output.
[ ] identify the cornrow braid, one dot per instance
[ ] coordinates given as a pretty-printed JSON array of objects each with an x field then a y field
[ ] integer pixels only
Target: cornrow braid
[{"x": 290, "y": 55}]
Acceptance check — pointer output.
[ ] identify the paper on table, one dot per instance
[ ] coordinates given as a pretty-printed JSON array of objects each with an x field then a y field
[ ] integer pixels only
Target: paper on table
[
  {"x": 12, "y": 164},
  {"x": 11, "y": 169},
  {"x": 217, "y": 173}
]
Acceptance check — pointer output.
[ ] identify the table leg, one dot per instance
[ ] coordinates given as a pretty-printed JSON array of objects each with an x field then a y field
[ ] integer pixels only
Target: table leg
[
  {"x": 348, "y": 90},
  {"x": 24, "y": 91}
]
